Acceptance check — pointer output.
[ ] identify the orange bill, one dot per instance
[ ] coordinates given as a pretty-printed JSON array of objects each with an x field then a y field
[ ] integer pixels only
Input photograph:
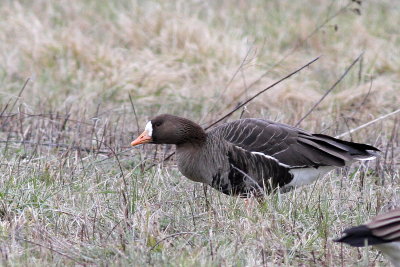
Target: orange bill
[{"x": 142, "y": 139}]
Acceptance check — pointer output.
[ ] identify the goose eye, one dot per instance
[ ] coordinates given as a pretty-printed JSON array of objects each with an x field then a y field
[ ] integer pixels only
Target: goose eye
[{"x": 157, "y": 124}]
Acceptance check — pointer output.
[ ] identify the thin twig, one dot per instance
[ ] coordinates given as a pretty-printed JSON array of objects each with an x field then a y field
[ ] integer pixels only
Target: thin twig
[
  {"x": 51, "y": 249},
  {"x": 217, "y": 100},
  {"x": 363, "y": 101},
  {"x": 330, "y": 89},
  {"x": 170, "y": 236},
  {"x": 113, "y": 155},
  {"x": 260, "y": 92},
  {"x": 360, "y": 70},
  {"x": 19, "y": 95},
  {"x": 134, "y": 112},
  {"x": 44, "y": 115},
  {"x": 355, "y": 110},
  {"x": 125, "y": 189},
  {"x": 368, "y": 123},
  {"x": 84, "y": 149},
  {"x": 112, "y": 230}
]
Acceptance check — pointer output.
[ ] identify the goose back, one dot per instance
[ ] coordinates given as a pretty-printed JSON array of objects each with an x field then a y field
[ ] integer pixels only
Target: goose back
[{"x": 290, "y": 146}]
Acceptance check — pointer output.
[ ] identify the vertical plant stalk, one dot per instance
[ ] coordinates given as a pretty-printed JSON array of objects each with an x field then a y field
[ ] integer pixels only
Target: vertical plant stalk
[{"x": 330, "y": 89}]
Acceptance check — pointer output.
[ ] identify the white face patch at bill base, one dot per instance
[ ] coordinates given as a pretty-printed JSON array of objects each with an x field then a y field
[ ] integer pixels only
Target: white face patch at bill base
[{"x": 149, "y": 129}]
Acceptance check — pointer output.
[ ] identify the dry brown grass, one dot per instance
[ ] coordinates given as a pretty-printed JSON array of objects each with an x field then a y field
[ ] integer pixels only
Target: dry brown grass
[{"x": 73, "y": 192}]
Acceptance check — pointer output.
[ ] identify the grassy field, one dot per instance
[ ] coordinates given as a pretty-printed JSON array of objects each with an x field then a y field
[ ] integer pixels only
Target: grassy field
[{"x": 72, "y": 191}]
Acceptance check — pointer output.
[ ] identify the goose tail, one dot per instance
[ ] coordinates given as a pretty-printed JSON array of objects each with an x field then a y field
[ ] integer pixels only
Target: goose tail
[
  {"x": 359, "y": 236},
  {"x": 355, "y": 151}
]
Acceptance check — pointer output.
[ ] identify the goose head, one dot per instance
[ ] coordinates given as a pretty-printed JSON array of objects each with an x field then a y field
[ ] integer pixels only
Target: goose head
[{"x": 170, "y": 129}]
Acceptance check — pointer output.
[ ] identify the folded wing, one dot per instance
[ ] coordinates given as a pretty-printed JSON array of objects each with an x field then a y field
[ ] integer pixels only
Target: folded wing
[{"x": 291, "y": 146}]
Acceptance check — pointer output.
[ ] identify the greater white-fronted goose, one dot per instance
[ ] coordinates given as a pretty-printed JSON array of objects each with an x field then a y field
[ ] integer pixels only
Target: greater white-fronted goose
[
  {"x": 251, "y": 156},
  {"x": 382, "y": 232}
]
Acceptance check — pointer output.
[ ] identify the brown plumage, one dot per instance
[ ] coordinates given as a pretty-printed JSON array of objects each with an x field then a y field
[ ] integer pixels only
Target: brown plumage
[
  {"x": 383, "y": 232},
  {"x": 251, "y": 156}
]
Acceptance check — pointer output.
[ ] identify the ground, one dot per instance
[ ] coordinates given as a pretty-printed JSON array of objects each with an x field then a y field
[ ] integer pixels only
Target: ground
[{"x": 72, "y": 190}]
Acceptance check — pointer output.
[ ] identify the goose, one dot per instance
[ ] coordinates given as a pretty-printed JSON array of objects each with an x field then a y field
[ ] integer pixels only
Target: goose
[
  {"x": 251, "y": 157},
  {"x": 382, "y": 232}
]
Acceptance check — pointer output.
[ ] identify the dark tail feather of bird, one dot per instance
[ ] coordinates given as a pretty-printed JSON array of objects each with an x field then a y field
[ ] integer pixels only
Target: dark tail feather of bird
[
  {"x": 360, "y": 236},
  {"x": 356, "y": 151}
]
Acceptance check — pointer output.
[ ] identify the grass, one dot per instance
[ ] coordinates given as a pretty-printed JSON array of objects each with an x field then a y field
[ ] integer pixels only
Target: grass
[{"x": 72, "y": 191}]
